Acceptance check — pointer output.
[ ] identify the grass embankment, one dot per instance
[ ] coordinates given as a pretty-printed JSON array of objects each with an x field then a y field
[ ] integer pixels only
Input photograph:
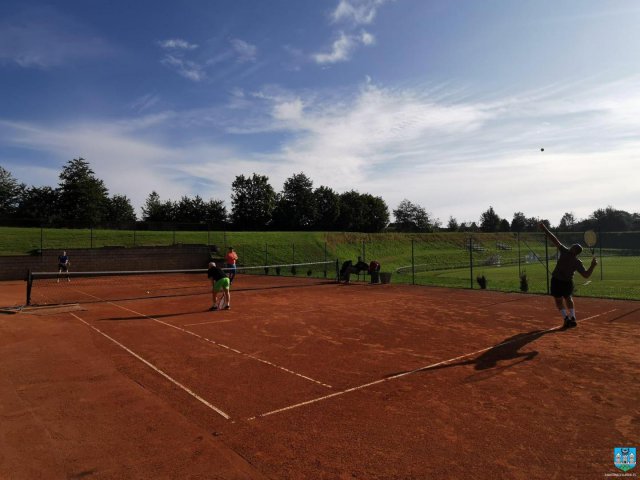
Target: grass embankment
[{"x": 431, "y": 259}]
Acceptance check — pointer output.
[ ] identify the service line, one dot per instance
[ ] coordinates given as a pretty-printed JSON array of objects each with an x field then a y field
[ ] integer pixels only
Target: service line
[
  {"x": 217, "y": 344},
  {"x": 149, "y": 364},
  {"x": 417, "y": 370}
]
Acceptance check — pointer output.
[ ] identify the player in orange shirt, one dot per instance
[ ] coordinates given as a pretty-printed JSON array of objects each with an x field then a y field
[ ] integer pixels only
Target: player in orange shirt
[{"x": 230, "y": 259}]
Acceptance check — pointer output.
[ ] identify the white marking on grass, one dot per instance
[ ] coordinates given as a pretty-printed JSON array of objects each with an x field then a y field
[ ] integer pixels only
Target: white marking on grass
[
  {"x": 149, "y": 364},
  {"x": 417, "y": 370}
]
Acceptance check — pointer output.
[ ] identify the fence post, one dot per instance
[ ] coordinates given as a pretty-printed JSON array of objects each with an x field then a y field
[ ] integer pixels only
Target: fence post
[
  {"x": 325, "y": 259},
  {"x": 519, "y": 261},
  {"x": 41, "y": 239},
  {"x": 293, "y": 253},
  {"x": 601, "y": 262},
  {"x": 91, "y": 236},
  {"x": 546, "y": 254},
  {"x": 471, "y": 259},
  {"x": 266, "y": 254},
  {"x": 413, "y": 262}
]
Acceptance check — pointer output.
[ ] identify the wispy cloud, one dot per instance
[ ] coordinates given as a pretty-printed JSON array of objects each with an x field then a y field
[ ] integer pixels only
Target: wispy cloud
[
  {"x": 177, "y": 44},
  {"x": 186, "y": 68},
  {"x": 176, "y": 50},
  {"x": 358, "y": 12},
  {"x": 350, "y": 15},
  {"x": 245, "y": 51},
  {"x": 443, "y": 148},
  {"x": 180, "y": 55},
  {"x": 44, "y": 38}
]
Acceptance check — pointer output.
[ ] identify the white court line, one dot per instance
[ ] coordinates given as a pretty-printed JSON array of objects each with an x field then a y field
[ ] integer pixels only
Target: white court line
[
  {"x": 217, "y": 344},
  {"x": 165, "y": 375},
  {"x": 427, "y": 367},
  {"x": 207, "y": 323}
]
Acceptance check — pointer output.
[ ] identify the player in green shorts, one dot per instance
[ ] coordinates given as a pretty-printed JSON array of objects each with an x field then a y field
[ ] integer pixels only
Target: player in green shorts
[{"x": 220, "y": 286}]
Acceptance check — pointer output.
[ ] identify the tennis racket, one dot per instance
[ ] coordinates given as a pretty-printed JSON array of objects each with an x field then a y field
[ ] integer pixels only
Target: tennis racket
[
  {"x": 222, "y": 303},
  {"x": 590, "y": 239}
]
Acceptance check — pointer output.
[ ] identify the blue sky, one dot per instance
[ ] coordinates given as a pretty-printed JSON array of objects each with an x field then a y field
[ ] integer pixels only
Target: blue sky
[{"x": 446, "y": 104}]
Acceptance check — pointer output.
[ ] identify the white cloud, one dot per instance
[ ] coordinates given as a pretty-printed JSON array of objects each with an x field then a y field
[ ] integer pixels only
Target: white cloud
[
  {"x": 186, "y": 68},
  {"x": 436, "y": 147},
  {"x": 350, "y": 14},
  {"x": 366, "y": 38},
  {"x": 343, "y": 47},
  {"x": 360, "y": 12},
  {"x": 245, "y": 51},
  {"x": 340, "y": 51},
  {"x": 177, "y": 44}
]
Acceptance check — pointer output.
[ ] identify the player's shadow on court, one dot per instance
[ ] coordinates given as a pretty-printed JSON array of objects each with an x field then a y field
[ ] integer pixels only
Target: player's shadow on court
[{"x": 505, "y": 354}]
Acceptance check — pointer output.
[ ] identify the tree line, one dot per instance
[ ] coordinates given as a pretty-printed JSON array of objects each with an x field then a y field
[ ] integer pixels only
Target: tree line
[{"x": 83, "y": 200}]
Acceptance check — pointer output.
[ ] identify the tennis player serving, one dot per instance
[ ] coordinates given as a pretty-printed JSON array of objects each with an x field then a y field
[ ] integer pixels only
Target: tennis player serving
[{"x": 562, "y": 276}]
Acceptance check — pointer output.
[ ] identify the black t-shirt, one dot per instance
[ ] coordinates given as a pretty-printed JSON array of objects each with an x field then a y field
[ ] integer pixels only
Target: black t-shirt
[
  {"x": 216, "y": 273},
  {"x": 567, "y": 265}
]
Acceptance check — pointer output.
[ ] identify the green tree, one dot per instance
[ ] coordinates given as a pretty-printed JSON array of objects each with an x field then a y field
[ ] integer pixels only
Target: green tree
[
  {"x": 119, "y": 210},
  {"x": 519, "y": 222},
  {"x": 504, "y": 225},
  {"x": 215, "y": 213},
  {"x": 489, "y": 221},
  {"x": 83, "y": 197},
  {"x": 10, "y": 192},
  {"x": 362, "y": 212},
  {"x": 567, "y": 222},
  {"x": 295, "y": 207},
  {"x": 453, "y": 225},
  {"x": 411, "y": 217},
  {"x": 155, "y": 210},
  {"x": 376, "y": 214},
  {"x": 39, "y": 203},
  {"x": 252, "y": 202},
  {"x": 351, "y": 208},
  {"x": 328, "y": 208},
  {"x": 611, "y": 220}
]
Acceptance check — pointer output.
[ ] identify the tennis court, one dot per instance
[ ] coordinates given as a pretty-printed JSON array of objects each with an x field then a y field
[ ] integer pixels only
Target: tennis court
[{"x": 307, "y": 378}]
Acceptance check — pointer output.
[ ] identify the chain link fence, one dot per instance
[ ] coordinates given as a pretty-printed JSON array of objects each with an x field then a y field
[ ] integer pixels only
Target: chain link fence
[
  {"x": 509, "y": 262},
  {"x": 496, "y": 261}
]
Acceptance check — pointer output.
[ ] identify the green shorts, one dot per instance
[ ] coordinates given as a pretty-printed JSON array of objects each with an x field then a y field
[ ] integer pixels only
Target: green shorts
[{"x": 222, "y": 284}]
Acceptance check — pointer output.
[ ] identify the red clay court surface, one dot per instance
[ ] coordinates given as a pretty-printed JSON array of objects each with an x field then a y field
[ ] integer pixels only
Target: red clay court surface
[{"x": 318, "y": 382}]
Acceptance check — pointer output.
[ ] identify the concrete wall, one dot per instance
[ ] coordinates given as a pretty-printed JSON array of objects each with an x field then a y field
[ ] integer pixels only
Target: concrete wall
[{"x": 175, "y": 257}]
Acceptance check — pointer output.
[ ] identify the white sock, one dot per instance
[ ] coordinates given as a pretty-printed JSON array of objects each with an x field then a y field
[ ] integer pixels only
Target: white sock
[
  {"x": 573, "y": 312},
  {"x": 564, "y": 312}
]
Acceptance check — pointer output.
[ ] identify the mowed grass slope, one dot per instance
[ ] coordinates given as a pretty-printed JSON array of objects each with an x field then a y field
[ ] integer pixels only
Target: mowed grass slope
[{"x": 441, "y": 259}]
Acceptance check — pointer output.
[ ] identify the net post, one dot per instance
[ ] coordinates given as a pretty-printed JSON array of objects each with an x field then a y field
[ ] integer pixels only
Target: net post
[{"x": 29, "y": 285}]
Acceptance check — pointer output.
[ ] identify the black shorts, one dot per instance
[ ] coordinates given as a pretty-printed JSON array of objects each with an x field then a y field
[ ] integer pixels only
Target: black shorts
[
  {"x": 62, "y": 267},
  {"x": 561, "y": 288}
]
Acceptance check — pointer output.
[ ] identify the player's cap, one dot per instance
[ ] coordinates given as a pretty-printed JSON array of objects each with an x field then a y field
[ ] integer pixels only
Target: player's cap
[
  {"x": 212, "y": 264},
  {"x": 576, "y": 247}
]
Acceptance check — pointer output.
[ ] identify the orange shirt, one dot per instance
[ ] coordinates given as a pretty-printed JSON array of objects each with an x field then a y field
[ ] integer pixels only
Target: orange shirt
[{"x": 231, "y": 258}]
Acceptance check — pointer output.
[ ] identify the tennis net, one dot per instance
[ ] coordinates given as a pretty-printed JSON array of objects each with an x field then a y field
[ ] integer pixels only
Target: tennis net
[{"x": 53, "y": 288}]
